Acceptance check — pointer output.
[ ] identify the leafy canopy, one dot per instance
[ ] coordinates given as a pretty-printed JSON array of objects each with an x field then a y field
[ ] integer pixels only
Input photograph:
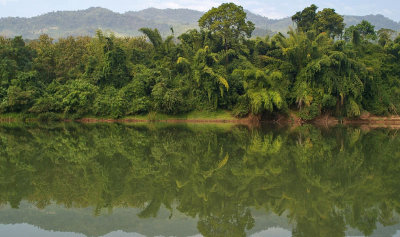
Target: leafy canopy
[
  {"x": 327, "y": 21},
  {"x": 228, "y": 20}
]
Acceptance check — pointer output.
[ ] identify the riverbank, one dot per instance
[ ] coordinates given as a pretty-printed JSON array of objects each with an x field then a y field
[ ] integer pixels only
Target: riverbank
[
  {"x": 371, "y": 121},
  {"x": 193, "y": 117},
  {"x": 365, "y": 120},
  {"x": 215, "y": 117}
]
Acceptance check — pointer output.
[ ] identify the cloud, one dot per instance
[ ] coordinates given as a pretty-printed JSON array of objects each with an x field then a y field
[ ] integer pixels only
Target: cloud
[
  {"x": 204, "y": 5},
  {"x": 256, "y": 6},
  {"x": 4, "y": 2}
]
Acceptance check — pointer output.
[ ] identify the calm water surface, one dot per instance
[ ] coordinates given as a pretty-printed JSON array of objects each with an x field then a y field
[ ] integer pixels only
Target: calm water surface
[{"x": 198, "y": 180}]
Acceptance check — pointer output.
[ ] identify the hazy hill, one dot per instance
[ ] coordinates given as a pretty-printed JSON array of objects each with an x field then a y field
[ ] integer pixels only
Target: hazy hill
[
  {"x": 379, "y": 21},
  {"x": 86, "y": 22}
]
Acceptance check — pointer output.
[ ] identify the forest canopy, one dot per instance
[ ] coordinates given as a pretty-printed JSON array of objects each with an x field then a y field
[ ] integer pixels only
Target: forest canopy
[{"x": 320, "y": 67}]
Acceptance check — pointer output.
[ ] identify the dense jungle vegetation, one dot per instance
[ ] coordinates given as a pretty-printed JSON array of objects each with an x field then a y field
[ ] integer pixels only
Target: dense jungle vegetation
[
  {"x": 320, "y": 67},
  {"x": 323, "y": 181}
]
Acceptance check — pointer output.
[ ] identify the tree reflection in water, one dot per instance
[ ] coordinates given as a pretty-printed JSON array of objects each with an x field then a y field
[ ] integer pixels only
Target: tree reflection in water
[{"x": 324, "y": 180}]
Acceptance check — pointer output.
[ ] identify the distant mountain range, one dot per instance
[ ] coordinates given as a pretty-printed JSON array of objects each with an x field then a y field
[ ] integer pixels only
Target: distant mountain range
[{"x": 86, "y": 22}]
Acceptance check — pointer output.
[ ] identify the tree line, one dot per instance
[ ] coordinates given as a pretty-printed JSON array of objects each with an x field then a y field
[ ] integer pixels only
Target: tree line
[{"x": 320, "y": 67}]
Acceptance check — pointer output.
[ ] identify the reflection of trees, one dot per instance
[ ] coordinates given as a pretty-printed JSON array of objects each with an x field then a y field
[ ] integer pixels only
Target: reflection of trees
[
  {"x": 324, "y": 180},
  {"x": 232, "y": 221}
]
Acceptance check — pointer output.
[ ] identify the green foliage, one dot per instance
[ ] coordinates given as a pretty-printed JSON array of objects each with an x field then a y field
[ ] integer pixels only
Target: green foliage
[
  {"x": 49, "y": 117},
  {"x": 217, "y": 68},
  {"x": 242, "y": 107},
  {"x": 76, "y": 98},
  {"x": 166, "y": 100},
  {"x": 353, "y": 109},
  {"x": 310, "y": 112},
  {"x": 109, "y": 103},
  {"x": 260, "y": 91}
]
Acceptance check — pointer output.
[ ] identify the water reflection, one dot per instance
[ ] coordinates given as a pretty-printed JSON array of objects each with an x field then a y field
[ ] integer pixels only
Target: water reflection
[{"x": 223, "y": 180}]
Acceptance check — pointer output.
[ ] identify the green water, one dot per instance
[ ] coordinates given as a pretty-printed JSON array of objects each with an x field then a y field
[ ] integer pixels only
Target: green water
[{"x": 192, "y": 180}]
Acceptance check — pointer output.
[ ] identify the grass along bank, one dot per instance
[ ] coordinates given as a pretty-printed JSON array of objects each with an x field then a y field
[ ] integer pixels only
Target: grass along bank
[{"x": 220, "y": 116}]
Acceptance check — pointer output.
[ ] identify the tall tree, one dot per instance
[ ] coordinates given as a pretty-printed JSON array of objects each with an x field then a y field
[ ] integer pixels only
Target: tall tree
[
  {"x": 330, "y": 22},
  {"x": 385, "y": 36},
  {"x": 365, "y": 30},
  {"x": 305, "y": 19},
  {"x": 115, "y": 71},
  {"x": 154, "y": 36},
  {"x": 327, "y": 21},
  {"x": 45, "y": 63},
  {"x": 229, "y": 21}
]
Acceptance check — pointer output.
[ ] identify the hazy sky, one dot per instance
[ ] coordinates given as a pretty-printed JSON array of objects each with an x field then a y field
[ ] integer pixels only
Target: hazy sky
[{"x": 269, "y": 8}]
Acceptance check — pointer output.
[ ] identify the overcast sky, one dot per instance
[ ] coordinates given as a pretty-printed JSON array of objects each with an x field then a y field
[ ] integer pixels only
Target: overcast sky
[{"x": 269, "y": 8}]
